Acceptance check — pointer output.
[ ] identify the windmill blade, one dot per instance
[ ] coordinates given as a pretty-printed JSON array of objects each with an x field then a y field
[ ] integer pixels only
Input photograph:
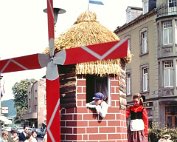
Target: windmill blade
[
  {"x": 103, "y": 51},
  {"x": 50, "y": 16},
  {"x": 29, "y": 62}
]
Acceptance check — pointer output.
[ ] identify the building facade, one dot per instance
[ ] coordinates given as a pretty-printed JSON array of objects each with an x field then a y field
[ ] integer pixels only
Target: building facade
[
  {"x": 36, "y": 111},
  {"x": 153, "y": 71}
]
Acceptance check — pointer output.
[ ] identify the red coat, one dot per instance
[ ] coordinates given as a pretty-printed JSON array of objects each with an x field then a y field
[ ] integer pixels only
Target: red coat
[{"x": 139, "y": 108}]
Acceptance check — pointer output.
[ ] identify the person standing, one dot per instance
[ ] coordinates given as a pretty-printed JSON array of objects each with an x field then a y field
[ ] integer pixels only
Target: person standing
[
  {"x": 138, "y": 120},
  {"x": 23, "y": 135},
  {"x": 14, "y": 136},
  {"x": 33, "y": 136},
  {"x": 5, "y": 136}
]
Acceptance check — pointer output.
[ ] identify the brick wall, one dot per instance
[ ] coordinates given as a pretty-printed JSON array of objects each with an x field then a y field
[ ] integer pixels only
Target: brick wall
[{"x": 83, "y": 124}]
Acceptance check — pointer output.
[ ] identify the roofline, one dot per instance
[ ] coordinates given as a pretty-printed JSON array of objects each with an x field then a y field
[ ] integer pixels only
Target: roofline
[
  {"x": 136, "y": 20},
  {"x": 134, "y": 7}
]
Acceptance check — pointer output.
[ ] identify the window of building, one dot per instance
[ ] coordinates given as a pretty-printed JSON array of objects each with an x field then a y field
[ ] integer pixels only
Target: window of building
[
  {"x": 128, "y": 84},
  {"x": 97, "y": 84},
  {"x": 145, "y": 6},
  {"x": 167, "y": 32},
  {"x": 171, "y": 116},
  {"x": 172, "y": 9},
  {"x": 145, "y": 79},
  {"x": 144, "y": 48},
  {"x": 168, "y": 73}
]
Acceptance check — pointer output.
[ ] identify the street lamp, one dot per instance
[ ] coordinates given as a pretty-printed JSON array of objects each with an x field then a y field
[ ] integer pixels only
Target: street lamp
[{"x": 56, "y": 12}]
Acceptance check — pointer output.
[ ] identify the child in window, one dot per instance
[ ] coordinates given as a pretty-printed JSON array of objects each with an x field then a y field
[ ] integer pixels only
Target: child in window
[{"x": 99, "y": 104}]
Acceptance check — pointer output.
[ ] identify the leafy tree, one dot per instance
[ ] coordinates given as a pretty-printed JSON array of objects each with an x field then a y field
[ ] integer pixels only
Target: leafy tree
[{"x": 20, "y": 96}]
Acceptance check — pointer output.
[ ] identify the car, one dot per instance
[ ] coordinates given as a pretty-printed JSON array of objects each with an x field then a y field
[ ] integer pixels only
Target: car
[{"x": 40, "y": 132}]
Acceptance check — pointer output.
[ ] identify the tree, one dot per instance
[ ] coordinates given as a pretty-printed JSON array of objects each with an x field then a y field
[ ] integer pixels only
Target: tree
[{"x": 21, "y": 97}]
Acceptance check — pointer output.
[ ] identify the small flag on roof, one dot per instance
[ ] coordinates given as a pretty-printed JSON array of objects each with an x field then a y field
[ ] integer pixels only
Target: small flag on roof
[{"x": 99, "y": 2}]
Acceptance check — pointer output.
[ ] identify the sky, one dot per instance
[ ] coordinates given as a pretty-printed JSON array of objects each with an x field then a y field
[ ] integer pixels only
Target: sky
[{"x": 23, "y": 28}]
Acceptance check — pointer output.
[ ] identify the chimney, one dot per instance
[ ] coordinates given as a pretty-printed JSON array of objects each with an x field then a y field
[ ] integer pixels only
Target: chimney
[
  {"x": 132, "y": 13},
  {"x": 148, "y": 5}
]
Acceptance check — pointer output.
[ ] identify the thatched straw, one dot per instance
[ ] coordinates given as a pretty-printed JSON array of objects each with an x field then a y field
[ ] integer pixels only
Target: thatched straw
[{"x": 86, "y": 31}]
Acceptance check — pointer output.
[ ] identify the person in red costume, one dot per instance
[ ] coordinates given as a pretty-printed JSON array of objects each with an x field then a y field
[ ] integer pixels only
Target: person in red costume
[{"x": 138, "y": 120}]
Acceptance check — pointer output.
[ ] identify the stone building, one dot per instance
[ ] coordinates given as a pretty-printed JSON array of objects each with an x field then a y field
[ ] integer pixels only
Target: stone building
[
  {"x": 36, "y": 112},
  {"x": 153, "y": 69}
]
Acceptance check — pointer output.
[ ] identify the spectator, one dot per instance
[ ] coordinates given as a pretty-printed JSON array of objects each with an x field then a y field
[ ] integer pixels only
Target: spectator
[
  {"x": 14, "y": 136},
  {"x": 33, "y": 136},
  {"x": 165, "y": 138},
  {"x": 23, "y": 135},
  {"x": 5, "y": 136}
]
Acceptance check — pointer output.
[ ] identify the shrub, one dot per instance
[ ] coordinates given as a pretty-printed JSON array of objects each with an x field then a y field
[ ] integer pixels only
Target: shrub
[{"x": 155, "y": 133}]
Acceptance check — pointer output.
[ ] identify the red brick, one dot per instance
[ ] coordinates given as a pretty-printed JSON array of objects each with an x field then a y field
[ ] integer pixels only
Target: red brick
[
  {"x": 81, "y": 96},
  {"x": 71, "y": 123},
  {"x": 66, "y": 130},
  {"x": 77, "y": 116},
  {"x": 98, "y": 137},
  {"x": 115, "y": 97},
  {"x": 88, "y": 117},
  {"x": 79, "y": 103},
  {"x": 117, "y": 89},
  {"x": 66, "y": 117},
  {"x": 71, "y": 110},
  {"x": 79, "y": 130},
  {"x": 113, "y": 123},
  {"x": 114, "y": 110},
  {"x": 92, "y": 130},
  {"x": 71, "y": 137},
  {"x": 111, "y": 116},
  {"x": 112, "y": 89},
  {"x": 113, "y": 103},
  {"x": 84, "y": 89},
  {"x": 82, "y": 123},
  {"x": 63, "y": 123},
  {"x": 96, "y": 123},
  {"x": 82, "y": 110},
  {"x": 79, "y": 137},
  {"x": 85, "y": 137},
  {"x": 81, "y": 82},
  {"x": 107, "y": 129},
  {"x": 79, "y": 89},
  {"x": 114, "y": 136},
  {"x": 114, "y": 83}
]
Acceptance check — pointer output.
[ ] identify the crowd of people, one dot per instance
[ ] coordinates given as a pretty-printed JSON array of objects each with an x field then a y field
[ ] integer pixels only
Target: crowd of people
[
  {"x": 136, "y": 115},
  {"x": 25, "y": 136}
]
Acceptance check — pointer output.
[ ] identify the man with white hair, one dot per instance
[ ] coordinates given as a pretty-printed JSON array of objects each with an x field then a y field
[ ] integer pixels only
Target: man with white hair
[{"x": 165, "y": 138}]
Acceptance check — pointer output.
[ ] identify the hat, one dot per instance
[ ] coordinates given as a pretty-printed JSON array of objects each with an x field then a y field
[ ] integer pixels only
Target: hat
[{"x": 98, "y": 96}]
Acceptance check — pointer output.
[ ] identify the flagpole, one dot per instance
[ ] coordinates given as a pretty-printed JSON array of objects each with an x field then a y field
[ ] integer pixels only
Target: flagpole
[{"x": 88, "y": 5}]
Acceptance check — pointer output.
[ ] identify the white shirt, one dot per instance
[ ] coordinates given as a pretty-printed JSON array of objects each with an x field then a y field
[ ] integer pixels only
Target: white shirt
[{"x": 101, "y": 109}]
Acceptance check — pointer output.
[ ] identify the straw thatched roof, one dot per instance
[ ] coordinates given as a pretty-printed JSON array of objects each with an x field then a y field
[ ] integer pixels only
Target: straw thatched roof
[{"x": 86, "y": 31}]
